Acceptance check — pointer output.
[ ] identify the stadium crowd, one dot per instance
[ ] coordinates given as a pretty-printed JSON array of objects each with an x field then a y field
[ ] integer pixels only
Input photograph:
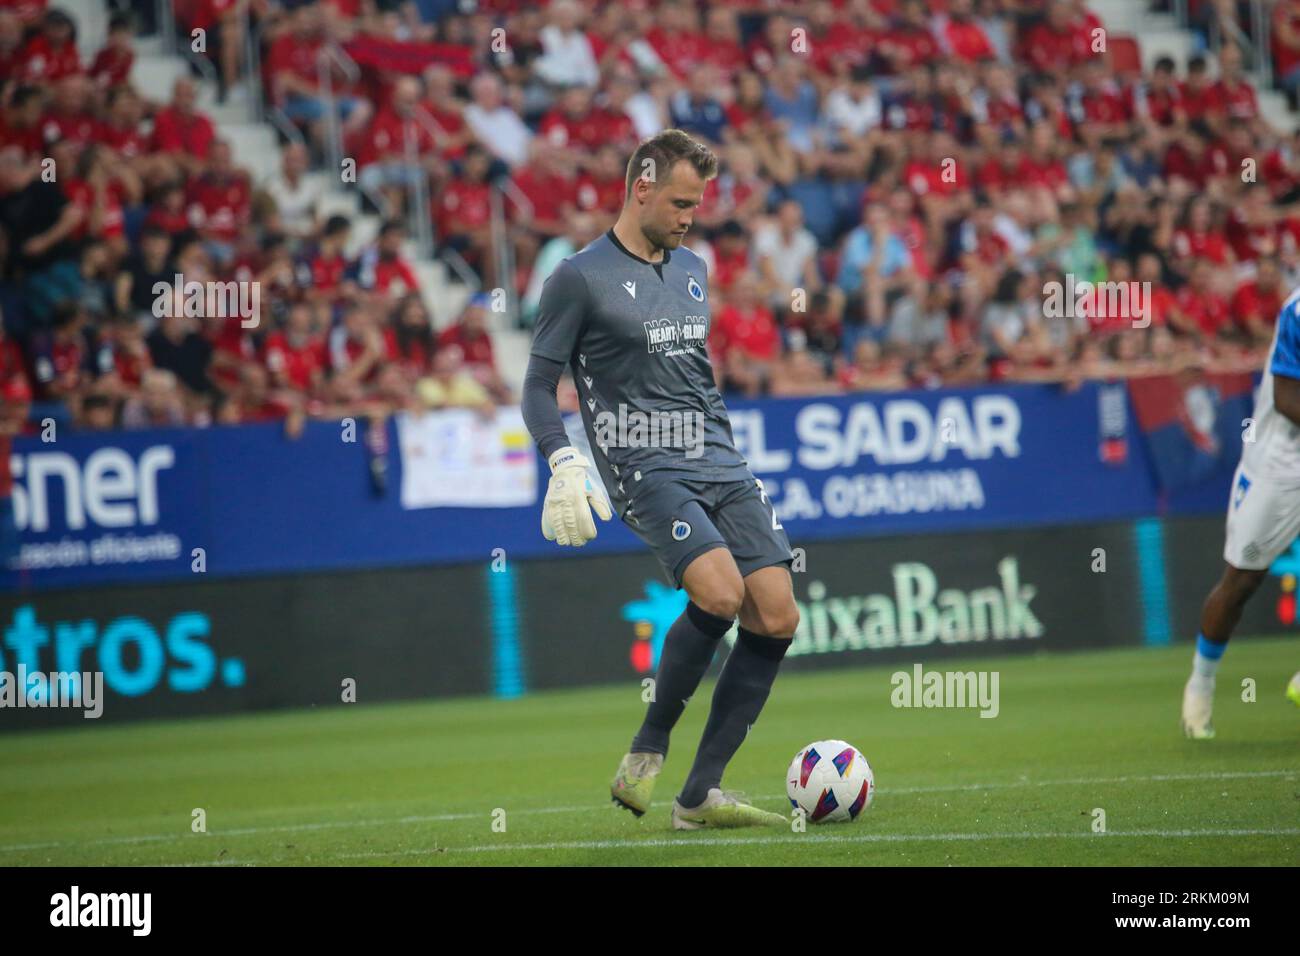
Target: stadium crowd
[{"x": 902, "y": 183}]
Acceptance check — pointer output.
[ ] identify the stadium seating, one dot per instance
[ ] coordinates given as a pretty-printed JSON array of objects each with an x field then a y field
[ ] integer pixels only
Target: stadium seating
[{"x": 372, "y": 173}]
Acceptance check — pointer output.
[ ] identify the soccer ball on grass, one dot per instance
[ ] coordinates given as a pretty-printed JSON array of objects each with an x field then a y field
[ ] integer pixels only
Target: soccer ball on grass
[{"x": 830, "y": 781}]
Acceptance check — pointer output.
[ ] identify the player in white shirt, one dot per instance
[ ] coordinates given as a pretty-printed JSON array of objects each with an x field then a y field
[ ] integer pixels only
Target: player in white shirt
[{"x": 1263, "y": 516}]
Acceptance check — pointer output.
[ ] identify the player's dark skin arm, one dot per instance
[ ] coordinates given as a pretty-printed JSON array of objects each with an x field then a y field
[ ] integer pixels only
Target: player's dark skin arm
[
  {"x": 1223, "y": 607},
  {"x": 1286, "y": 398}
]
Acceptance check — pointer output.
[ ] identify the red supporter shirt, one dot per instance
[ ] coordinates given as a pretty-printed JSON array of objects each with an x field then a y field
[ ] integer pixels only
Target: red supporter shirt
[
  {"x": 1285, "y": 59},
  {"x": 1105, "y": 106},
  {"x": 41, "y": 63},
  {"x": 727, "y": 267},
  {"x": 1249, "y": 242},
  {"x": 1250, "y": 302},
  {"x": 1207, "y": 310},
  {"x": 174, "y": 133},
  {"x": 1278, "y": 175},
  {"x": 477, "y": 350},
  {"x": 79, "y": 128},
  {"x": 916, "y": 46},
  {"x": 62, "y": 358},
  {"x": 1201, "y": 245},
  {"x": 292, "y": 54},
  {"x": 1237, "y": 99},
  {"x": 562, "y": 129},
  {"x": 344, "y": 351},
  {"x": 1049, "y": 173},
  {"x": 388, "y": 275},
  {"x": 994, "y": 175},
  {"x": 13, "y": 375},
  {"x": 926, "y": 178},
  {"x": 130, "y": 367},
  {"x": 990, "y": 248},
  {"x": 605, "y": 195},
  {"x": 1161, "y": 105},
  {"x": 219, "y": 208},
  {"x": 30, "y": 140},
  {"x": 548, "y": 193},
  {"x": 1048, "y": 49},
  {"x": 111, "y": 66},
  {"x": 462, "y": 207},
  {"x": 82, "y": 194},
  {"x": 452, "y": 124},
  {"x": 1200, "y": 103},
  {"x": 842, "y": 48},
  {"x": 968, "y": 41},
  {"x": 752, "y": 331},
  {"x": 204, "y": 14},
  {"x": 681, "y": 52},
  {"x": 298, "y": 364},
  {"x": 325, "y": 274},
  {"x": 386, "y": 138},
  {"x": 1162, "y": 302},
  {"x": 127, "y": 141},
  {"x": 727, "y": 55}
]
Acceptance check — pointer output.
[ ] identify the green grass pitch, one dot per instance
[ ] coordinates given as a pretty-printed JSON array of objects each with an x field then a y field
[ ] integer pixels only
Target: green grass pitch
[{"x": 423, "y": 783}]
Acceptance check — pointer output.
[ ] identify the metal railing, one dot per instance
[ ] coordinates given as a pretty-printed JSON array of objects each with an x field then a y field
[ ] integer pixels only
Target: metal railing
[
  {"x": 1261, "y": 18},
  {"x": 503, "y": 249},
  {"x": 418, "y": 216},
  {"x": 1256, "y": 43},
  {"x": 253, "y": 65},
  {"x": 281, "y": 121},
  {"x": 331, "y": 55}
]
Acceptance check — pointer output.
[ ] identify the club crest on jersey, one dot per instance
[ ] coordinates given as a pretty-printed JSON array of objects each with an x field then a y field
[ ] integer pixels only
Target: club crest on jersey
[
  {"x": 1239, "y": 493},
  {"x": 694, "y": 288},
  {"x": 681, "y": 530}
]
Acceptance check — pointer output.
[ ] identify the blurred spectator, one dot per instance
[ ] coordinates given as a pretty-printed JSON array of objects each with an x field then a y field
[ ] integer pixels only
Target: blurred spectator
[
  {"x": 297, "y": 195},
  {"x": 158, "y": 403},
  {"x": 567, "y": 57},
  {"x": 469, "y": 336},
  {"x": 498, "y": 128},
  {"x": 450, "y": 386},
  {"x": 891, "y": 204}
]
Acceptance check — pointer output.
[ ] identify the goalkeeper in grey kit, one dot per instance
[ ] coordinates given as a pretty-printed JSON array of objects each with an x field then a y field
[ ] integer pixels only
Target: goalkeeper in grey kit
[{"x": 629, "y": 316}]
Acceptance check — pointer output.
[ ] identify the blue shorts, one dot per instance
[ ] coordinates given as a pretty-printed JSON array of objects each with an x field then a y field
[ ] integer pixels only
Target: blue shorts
[{"x": 309, "y": 109}]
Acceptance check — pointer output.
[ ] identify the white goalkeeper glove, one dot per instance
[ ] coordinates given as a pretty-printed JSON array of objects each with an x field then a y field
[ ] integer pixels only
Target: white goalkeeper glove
[{"x": 570, "y": 496}]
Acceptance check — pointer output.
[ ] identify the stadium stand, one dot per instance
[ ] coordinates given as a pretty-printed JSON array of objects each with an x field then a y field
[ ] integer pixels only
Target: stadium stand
[{"x": 901, "y": 184}]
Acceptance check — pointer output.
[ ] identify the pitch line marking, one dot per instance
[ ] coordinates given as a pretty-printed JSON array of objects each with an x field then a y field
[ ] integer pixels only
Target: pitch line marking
[
  {"x": 587, "y": 808},
  {"x": 689, "y": 841}
]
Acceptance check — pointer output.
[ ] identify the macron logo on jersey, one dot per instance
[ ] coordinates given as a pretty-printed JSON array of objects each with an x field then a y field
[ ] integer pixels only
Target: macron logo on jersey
[{"x": 631, "y": 288}]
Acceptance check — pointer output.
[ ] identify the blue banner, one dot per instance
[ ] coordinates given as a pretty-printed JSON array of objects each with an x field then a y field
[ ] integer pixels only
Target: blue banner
[{"x": 161, "y": 505}]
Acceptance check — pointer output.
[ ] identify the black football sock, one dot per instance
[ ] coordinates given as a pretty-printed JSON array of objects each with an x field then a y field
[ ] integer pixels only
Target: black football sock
[
  {"x": 687, "y": 652},
  {"x": 742, "y": 689}
]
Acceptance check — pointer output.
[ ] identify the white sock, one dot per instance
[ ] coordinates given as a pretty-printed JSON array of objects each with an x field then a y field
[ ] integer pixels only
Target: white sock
[{"x": 1204, "y": 669}]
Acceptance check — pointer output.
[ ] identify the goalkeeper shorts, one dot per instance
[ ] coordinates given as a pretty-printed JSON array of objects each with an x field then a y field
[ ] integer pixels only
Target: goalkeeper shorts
[{"x": 680, "y": 518}]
